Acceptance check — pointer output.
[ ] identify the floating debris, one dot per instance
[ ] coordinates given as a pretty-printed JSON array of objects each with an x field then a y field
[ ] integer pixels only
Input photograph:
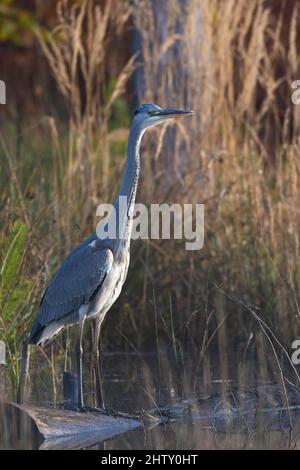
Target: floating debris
[{"x": 268, "y": 407}]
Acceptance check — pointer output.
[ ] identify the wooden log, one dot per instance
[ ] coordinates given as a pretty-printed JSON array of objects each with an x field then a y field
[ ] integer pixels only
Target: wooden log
[{"x": 66, "y": 429}]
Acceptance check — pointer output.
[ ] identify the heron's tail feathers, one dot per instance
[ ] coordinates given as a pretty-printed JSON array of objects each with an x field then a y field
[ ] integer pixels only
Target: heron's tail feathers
[
  {"x": 42, "y": 334},
  {"x": 48, "y": 333}
]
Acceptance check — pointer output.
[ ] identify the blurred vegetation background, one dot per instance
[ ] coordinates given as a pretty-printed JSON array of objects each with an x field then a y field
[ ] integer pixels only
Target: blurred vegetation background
[{"x": 74, "y": 70}]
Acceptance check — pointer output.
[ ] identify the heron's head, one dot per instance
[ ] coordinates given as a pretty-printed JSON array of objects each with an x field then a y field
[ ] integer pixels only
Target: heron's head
[{"x": 149, "y": 115}]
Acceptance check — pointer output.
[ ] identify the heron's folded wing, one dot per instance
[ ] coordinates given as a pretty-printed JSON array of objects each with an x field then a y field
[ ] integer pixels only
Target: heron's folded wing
[{"x": 76, "y": 282}]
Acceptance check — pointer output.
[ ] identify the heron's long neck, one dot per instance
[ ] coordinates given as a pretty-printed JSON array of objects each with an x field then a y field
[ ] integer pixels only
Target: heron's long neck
[{"x": 124, "y": 204}]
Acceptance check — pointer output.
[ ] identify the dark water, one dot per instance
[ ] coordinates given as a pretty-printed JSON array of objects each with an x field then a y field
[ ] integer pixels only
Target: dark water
[{"x": 183, "y": 416}]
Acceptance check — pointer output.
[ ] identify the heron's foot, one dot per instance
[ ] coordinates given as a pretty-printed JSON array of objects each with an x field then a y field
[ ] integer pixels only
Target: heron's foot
[
  {"x": 90, "y": 409},
  {"x": 107, "y": 411},
  {"x": 113, "y": 413},
  {"x": 120, "y": 414}
]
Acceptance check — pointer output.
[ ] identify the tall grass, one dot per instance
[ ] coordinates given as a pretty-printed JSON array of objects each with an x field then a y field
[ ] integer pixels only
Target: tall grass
[
  {"x": 239, "y": 156},
  {"x": 227, "y": 71}
]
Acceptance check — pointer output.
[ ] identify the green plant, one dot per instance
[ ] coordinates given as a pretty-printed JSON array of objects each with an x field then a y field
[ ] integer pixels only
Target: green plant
[{"x": 15, "y": 291}]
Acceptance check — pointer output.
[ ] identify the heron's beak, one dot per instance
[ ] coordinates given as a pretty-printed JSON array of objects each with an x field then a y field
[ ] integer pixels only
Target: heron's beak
[{"x": 173, "y": 113}]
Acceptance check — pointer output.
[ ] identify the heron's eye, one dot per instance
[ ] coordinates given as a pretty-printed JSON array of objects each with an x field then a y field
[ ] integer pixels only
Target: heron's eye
[{"x": 152, "y": 113}]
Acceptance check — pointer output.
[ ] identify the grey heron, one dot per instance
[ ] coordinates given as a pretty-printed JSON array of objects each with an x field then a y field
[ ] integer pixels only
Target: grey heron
[{"x": 91, "y": 277}]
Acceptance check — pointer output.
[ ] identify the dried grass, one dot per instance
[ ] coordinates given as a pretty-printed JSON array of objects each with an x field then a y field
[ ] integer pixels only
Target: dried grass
[{"x": 239, "y": 155}]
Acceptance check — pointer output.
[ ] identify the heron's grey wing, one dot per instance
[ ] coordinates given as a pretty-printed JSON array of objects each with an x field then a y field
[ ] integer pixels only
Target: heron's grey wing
[{"x": 75, "y": 283}]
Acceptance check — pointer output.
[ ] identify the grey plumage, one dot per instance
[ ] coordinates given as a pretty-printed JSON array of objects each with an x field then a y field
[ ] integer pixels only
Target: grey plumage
[
  {"x": 91, "y": 277},
  {"x": 76, "y": 283}
]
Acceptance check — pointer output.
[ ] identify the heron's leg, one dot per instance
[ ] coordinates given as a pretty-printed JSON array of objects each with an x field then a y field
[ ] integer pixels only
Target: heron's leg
[
  {"x": 79, "y": 351},
  {"x": 97, "y": 368}
]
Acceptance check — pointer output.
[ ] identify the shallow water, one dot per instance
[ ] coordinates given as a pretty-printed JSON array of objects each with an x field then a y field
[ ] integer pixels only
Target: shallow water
[{"x": 235, "y": 419}]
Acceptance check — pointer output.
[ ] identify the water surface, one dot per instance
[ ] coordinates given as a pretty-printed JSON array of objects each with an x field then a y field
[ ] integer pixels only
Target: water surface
[{"x": 181, "y": 415}]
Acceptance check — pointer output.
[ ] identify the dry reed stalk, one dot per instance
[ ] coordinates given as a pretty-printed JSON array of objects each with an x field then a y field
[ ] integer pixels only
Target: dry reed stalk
[{"x": 77, "y": 50}]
